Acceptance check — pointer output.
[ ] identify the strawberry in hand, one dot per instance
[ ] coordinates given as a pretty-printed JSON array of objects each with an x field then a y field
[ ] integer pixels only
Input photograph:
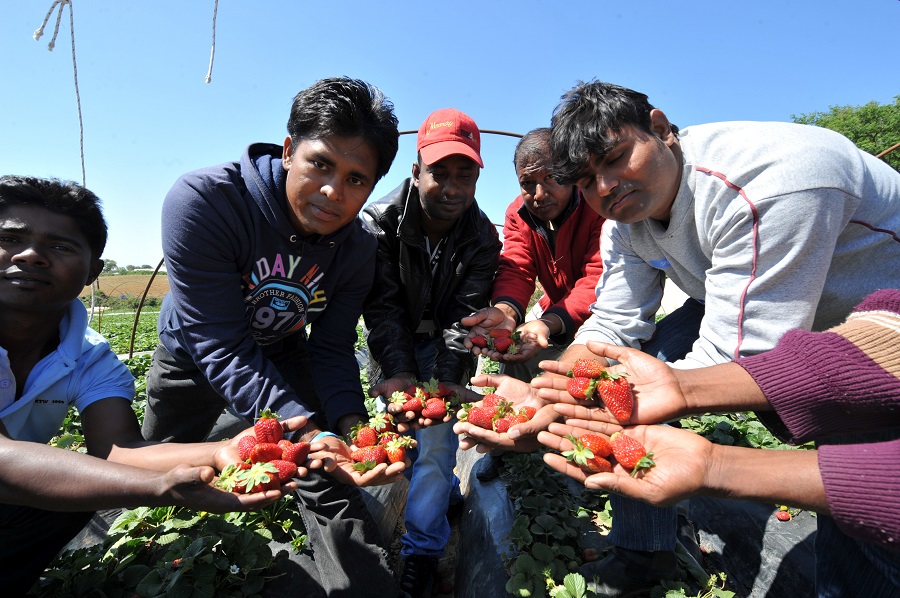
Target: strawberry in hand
[
  {"x": 615, "y": 391},
  {"x": 630, "y": 453},
  {"x": 267, "y": 428}
]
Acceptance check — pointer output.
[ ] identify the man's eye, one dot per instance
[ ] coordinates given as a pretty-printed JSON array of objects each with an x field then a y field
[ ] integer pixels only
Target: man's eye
[
  {"x": 319, "y": 165},
  {"x": 355, "y": 181}
]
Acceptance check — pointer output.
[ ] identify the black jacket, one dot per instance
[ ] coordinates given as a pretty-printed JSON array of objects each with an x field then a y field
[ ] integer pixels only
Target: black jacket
[{"x": 403, "y": 283}]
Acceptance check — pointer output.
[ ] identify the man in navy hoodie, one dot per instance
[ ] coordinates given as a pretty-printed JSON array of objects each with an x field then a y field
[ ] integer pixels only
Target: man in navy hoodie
[{"x": 268, "y": 267}]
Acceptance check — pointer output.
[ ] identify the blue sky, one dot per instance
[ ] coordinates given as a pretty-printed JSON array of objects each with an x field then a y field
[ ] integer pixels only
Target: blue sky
[{"x": 150, "y": 117}]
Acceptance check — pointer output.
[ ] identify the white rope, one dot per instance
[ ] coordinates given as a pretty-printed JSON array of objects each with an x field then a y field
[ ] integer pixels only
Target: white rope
[
  {"x": 212, "y": 52},
  {"x": 39, "y": 32}
]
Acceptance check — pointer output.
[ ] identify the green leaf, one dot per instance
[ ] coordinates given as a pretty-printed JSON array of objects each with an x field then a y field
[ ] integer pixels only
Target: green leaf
[{"x": 575, "y": 585}]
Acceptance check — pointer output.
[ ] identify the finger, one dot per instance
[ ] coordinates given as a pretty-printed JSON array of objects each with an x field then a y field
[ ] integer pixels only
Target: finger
[
  {"x": 595, "y": 426},
  {"x": 566, "y": 429},
  {"x": 615, "y": 352},
  {"x": 556, "y": 367},
  {"x": 540, "y": 421},
  {"x": 554, "y": 441},
  {"x": 564, "y": 466},
  {"x": 292, "y": 424}
]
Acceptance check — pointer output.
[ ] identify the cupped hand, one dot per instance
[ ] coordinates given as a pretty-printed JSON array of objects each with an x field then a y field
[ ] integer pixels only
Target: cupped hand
[
  {"x": 481, "y": 323},
  {"x": 332, "y": 455},
  {"x": 229, "y": 453},
  {"x": 192, "y": 487},
  {"x": 682, "y": 459}
]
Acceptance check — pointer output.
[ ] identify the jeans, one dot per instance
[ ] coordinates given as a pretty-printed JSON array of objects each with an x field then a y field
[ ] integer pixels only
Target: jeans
[
  {"x": 432, "y": 483},
  {"x": 637, "y": 525},
  {"x": 345, "y": 542},
  {"x": 29, "y": 540}
]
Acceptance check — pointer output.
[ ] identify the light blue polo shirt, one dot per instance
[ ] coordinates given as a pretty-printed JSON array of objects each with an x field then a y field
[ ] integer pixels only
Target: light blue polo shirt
[{"x": 83, "y": 369}]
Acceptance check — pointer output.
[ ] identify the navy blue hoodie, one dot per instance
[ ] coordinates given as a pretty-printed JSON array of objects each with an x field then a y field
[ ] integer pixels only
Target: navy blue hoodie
[{"x": 242, "y": 280}]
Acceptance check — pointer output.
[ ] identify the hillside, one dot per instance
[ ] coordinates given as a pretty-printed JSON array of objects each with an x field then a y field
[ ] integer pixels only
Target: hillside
[{"x": 130, "y": 284}]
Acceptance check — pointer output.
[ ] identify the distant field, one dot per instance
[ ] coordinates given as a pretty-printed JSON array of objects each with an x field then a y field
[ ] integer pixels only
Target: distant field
[{"x": 131, "y": 284}]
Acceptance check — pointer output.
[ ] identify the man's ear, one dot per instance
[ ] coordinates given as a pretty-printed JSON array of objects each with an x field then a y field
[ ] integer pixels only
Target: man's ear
[
  {"x": 416, "y": 171},
  {"x": 94, "y": 272},
  {"x": 661, "y": 127},
  {"x": 287, "y": 153}
]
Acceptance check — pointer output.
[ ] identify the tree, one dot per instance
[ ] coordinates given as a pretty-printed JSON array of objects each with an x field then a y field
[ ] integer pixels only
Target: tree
[
  {"x": 873, "y": 128},
  {"x": 110, "y": 266}
]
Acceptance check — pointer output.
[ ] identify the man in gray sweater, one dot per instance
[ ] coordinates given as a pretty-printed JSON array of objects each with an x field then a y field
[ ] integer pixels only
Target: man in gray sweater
[{"x": 765, "y": 226}]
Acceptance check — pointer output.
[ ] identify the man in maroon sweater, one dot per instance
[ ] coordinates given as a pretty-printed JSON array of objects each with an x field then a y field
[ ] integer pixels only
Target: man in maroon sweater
[{"x": 550, "y": 236}]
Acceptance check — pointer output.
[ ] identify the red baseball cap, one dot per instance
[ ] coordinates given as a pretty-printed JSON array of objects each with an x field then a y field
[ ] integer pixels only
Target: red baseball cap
[{"x": 446, "y": 132}]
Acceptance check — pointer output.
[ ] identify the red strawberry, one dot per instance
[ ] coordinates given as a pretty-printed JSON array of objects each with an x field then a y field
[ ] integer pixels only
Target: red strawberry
[
  {"x": 287, "y": 470},
  {"x": 581, "y": 388},
  {"x": 367, "y": 458},
  {"x": 264, "y": 452},
  {"x": 284, "y": 443},
  {"x": 296, "y": 453},
  {"x": 599, "y": 445},
  {"x": 435, "y": 408},
  {"x": 479, "y": 341},
  {"x": 365, "y": 436},
  {"x": 387, "y": 437},
  {"x": 245, "y": 444},
  {"x": 433, "y": 388},
  {"x": 783, "y": 515},
  {"x": 528, "y": 412},
  {"x": 414, "y": 390},
  {"x": 260, "y": 477},
  {"x": 506, "y": 422},
  {"x": 267, "y": 428},
  {"x": 382, "y": 422},
  {"x": 504, "y": 345},
  {"x": 630, "y": 453},
  {"x": 408, "y": 402},
  {"x": 585, "y": 458},
  {"x": 616, "y": 394},
  {"x": 228, "y": 478},
  {"x": 396, "y": 449},
  {"x": 491, "y": 401},
  {"x": 499, "y": 333},
  {"x": 586, "y": 368},
  {"x": 483, "y": 417}
]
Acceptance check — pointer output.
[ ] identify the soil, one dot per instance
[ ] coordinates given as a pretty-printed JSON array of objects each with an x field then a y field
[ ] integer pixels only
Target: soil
[{"x": 130, "y": 284}]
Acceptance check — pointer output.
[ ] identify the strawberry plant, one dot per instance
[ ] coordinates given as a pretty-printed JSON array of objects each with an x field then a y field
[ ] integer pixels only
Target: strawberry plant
[{"x": 737, "y": 429}]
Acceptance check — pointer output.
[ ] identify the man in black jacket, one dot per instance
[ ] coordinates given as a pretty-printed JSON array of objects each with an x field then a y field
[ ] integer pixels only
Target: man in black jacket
[{"x": 437, "y": 257}]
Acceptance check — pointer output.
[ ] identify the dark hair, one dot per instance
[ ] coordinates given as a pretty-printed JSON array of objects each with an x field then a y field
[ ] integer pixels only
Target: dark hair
[
  {"x": 532, "y": 146},
  {"x": 63, "y": 197},
  {"x": 585, "y": 122},
  {"x": 344, "y": 107}
]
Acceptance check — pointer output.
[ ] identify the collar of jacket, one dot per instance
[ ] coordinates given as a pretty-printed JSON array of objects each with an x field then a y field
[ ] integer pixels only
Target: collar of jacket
[{"x": 538, "y": 225}]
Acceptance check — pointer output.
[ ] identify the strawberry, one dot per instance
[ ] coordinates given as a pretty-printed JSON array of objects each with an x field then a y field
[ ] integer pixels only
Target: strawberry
[
  {"x": 585, "y": 458},
  {"x": 267, "y": 428},
  {"x": 499, "y": 333},
  {"x": 367, "y": 458},
  {"x": 505, "y": 345},
  {"x": 284, "y": 443},
  {"x": 296, "y": 453},
  {"x": 433, "y": 389},
  {"x": 528, "y": 412},
  {"x": 581, "y": 388},
  {"x": 287, "y": 470},
  {"x": 483, "y": 417},
  {"x": 408, "y": 402},
  {"x": 382, "y": 422},
  {"x": 479, "y": 341},
  {"x": 783, "y": 516},
  {"x": 245, "y": 444},
  {"x": 435, "y": 408},
  {"x": 491, "y": 401},
  {"x": 260, "y": 477},
  {"x": 396, "y": 449},
  {"x": 387, "y": 437},
  {"x": 586, "y": 368},
  {"x": 365, "y": 436},
  {"x": 506, "y": 422},
  {"x": 630, "y": 453},
  {"x": 616, "y": 394},
  {"x": 264, "y": 452},
  {"x": 598, "y": 445},
  {"x": 228, "y": 478},
  {"x": 414, "y": 390}
]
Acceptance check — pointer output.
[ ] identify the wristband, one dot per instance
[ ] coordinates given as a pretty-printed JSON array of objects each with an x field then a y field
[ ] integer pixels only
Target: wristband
[{"x": 323, "y": 434}]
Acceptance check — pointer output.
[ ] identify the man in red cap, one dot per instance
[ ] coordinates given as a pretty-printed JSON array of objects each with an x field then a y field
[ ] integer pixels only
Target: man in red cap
[{"x": 437, "y": 256}]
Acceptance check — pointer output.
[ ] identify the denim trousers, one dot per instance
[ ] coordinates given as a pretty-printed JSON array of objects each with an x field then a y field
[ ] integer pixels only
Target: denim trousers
[
  {"x": 347, "y": 553},
  {"x": 637, "y": 525},
  {"x": 432, "y": 483}
]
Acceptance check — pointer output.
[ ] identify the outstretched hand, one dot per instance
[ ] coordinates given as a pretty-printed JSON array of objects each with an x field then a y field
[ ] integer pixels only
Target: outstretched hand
[
  {"x": 657, "y": 394},
  {"x": 682, "y": 461},
  {"x": 521, "y": 437},
  {"x": 332, "y": 455},
  {"x": 229, "y": 452},
  {"x": 192, "y": 487}
]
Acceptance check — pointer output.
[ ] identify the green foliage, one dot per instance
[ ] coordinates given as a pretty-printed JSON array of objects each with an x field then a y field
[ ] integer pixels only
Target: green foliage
[
  {"x": 116, "y": 328},
  {"x": 872, "y": 127},
  {"x": 737, "y": 429},
  {"x": 166, "y": 552}
]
